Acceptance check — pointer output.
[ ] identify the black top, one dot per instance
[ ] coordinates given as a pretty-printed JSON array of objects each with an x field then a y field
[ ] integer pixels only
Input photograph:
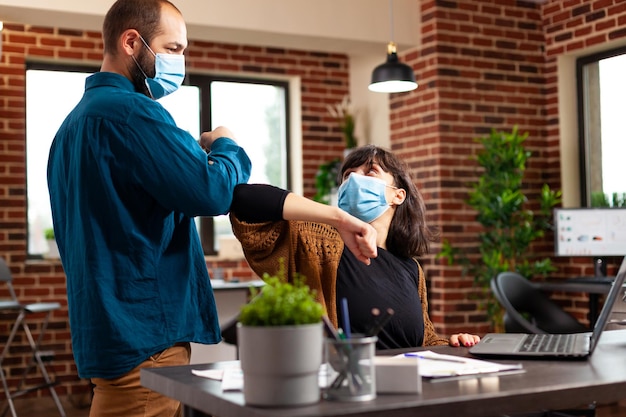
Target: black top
[
  {"x": 268, "y": 202},
  {"x": 388, "y": 282}
]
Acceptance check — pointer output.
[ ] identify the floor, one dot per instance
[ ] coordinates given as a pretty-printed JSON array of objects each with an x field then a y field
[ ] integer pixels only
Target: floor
[{"x": 45, "y": 407}]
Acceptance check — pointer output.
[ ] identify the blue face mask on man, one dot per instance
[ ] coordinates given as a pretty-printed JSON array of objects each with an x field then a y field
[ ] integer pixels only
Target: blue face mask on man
[
  {"x": 169, "y": 73},
  {"x": 363, "y": 197}
]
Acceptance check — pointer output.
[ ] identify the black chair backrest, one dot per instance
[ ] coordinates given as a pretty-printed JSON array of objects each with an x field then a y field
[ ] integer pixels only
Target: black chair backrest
[
  {"x": 6, "y": 277},
  {"x": 529, "y": 309},
  {"x": 5, "y": 272}
]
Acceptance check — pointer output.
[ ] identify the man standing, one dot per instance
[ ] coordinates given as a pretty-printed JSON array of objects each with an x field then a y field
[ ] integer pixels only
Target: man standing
[{"x": 125, "y": 184}]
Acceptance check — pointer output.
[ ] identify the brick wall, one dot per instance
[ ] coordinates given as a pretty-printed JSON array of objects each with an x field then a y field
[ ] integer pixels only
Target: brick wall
[
  {"x": 572, "y": 27},
  {"x": 481, "y": 64},
  {"x": 488, "y": 64},
  {"x": 324, "y": 80}
]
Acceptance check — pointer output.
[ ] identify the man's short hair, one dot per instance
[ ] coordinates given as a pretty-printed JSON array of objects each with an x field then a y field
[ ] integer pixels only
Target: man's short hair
[{"x": 142, "y": 15}]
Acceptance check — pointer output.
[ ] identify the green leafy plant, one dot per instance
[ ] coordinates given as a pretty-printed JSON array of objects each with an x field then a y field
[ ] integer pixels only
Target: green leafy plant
[
  {"x": 600, "y": 199},
  {"x": 326, "y": 180},
  {"x": 49, "y": 233},
  {"x": 508, "y": 226},
  {"x": 281, "y": 303}
]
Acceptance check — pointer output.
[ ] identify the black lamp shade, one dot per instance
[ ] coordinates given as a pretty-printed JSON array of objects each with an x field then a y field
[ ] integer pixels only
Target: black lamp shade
[{"x": 393, "y": 76}]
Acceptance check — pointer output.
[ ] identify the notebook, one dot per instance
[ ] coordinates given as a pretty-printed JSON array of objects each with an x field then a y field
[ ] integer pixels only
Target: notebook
[{"x": 565, "y": 346}]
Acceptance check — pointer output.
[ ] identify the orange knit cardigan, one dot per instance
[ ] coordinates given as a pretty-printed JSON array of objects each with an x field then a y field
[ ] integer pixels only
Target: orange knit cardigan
[{"x": 312, "y": 250}]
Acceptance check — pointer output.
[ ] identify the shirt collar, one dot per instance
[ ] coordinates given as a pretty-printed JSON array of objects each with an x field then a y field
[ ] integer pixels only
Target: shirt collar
[{"x": 108, "y": 79}]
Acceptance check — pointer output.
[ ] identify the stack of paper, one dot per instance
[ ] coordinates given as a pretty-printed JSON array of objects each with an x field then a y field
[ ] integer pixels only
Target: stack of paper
[{"x": 436, "y": 365}]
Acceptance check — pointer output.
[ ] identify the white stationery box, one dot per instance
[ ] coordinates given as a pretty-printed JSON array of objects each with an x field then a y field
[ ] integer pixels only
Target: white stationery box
[{"x": 397, "y": 375}]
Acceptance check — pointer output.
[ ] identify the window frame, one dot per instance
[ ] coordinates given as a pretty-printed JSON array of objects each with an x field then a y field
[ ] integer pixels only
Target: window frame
[
  {"x": 585, "y": 186},
  {"x": 44, "y": 66},
  {"x": 203, "y": 82}
]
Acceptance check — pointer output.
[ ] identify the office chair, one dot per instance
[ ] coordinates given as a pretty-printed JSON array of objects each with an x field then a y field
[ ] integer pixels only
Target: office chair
[
  {"x": 528, "y": 309},
  {"x": 229, "y": 332},
  {"x": 22, "y": 311}
]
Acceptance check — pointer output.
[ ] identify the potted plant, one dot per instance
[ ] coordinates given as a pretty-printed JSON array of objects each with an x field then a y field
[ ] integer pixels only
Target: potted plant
[
  {"x": 508, "y": 225},
  {"x": 601, "y": 199},
  {"x": 53, "y": 249},
  {"x": 280, "y": 339},
  {"x": 345, "y": 115},
  {"x": 326, "y": 182}
]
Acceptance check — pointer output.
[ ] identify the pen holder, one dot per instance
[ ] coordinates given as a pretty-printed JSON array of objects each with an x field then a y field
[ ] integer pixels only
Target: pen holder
[{"x": 352, "y": 370}]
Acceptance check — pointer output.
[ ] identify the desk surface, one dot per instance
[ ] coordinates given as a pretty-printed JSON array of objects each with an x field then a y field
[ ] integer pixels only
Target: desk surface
[{"x": 545, "y": 384}]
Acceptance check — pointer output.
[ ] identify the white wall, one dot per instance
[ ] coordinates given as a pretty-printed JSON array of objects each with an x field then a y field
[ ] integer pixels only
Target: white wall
[
  {"x": 359, "y": 28},
  {"x": 349, "y": 26}
]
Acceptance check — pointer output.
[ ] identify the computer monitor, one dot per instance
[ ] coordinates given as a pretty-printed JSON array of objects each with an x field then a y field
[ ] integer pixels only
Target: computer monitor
[{"x": 594, "y": 232}]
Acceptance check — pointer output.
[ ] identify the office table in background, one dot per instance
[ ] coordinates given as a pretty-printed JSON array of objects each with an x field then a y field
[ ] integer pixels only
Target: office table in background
[
  {"x": 229, "y": 297},
  {"x": 546, "y": 384},
  {"x": 593, "y": 286}
]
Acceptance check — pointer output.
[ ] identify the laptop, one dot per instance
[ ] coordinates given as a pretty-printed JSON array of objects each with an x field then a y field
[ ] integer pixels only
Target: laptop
[{"x": 555, "y": 346}]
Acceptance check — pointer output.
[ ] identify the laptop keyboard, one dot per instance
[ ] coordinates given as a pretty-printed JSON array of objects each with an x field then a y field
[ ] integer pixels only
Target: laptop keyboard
[{"x": 554, "y": 343}]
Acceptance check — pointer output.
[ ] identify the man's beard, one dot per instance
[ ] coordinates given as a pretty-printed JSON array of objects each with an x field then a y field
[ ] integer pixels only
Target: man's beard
[{"x": 137, "y": 77}]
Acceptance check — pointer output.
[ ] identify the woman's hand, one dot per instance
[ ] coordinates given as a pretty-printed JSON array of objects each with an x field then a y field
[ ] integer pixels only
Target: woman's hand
[
  {"x": 360, "y": 239},
  {"x": 464, "y": 339}
]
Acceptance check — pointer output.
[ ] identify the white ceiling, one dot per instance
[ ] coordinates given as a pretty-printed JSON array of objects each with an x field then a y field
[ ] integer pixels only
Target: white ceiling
[{"x": 347, "y": 26}]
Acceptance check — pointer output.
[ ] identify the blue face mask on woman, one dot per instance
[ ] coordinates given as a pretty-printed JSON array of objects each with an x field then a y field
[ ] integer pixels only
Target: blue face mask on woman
[
  {"x": 363, "y": 197},
  {"x": 169, "y": 73}
]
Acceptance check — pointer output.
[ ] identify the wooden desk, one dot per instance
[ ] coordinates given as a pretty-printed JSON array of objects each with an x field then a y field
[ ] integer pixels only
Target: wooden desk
[{"x": 546, "y": 384}]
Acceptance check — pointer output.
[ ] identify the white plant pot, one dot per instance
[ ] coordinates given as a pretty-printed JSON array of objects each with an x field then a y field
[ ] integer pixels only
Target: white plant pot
[
  {"x": 280, "y": 364},
  {"x": 53, "y": 249}
]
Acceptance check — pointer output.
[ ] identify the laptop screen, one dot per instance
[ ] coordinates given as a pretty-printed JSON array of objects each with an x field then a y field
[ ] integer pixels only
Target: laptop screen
[{"x": 616, "y": 291}]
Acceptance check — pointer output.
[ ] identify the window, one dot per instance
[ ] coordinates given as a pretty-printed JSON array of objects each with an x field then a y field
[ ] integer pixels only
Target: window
[
  {"x": 50, "y": 96},
  {"x": 257, "y": 114},
  {"x": 256, "y": 111},
  {"x": 601, "y": 100}
]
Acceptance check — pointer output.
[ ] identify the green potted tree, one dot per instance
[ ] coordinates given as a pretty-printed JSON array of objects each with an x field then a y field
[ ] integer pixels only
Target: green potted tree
[
  {"x": 508, "y": 226},
  {"x": 280, "y": 340}
]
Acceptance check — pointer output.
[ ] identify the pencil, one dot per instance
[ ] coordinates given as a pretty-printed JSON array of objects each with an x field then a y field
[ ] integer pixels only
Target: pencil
[{"x": 434, "y": 358}]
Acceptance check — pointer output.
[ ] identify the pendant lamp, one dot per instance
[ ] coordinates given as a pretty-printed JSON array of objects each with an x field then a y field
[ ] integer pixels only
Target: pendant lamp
[{"x": 393, "y": 76}]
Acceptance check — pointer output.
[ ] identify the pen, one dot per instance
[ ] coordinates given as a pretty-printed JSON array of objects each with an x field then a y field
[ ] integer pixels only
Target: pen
[
  {"x": 434, "y": 358},
  {"x": 332, "y": 332},
  {"x": 345, "y": 315},
  {"x": 341, "y": 335}
]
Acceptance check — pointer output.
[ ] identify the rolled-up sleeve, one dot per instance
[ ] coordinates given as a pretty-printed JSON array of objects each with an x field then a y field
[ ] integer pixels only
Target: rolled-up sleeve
[{"x": 170, "y": 165}]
